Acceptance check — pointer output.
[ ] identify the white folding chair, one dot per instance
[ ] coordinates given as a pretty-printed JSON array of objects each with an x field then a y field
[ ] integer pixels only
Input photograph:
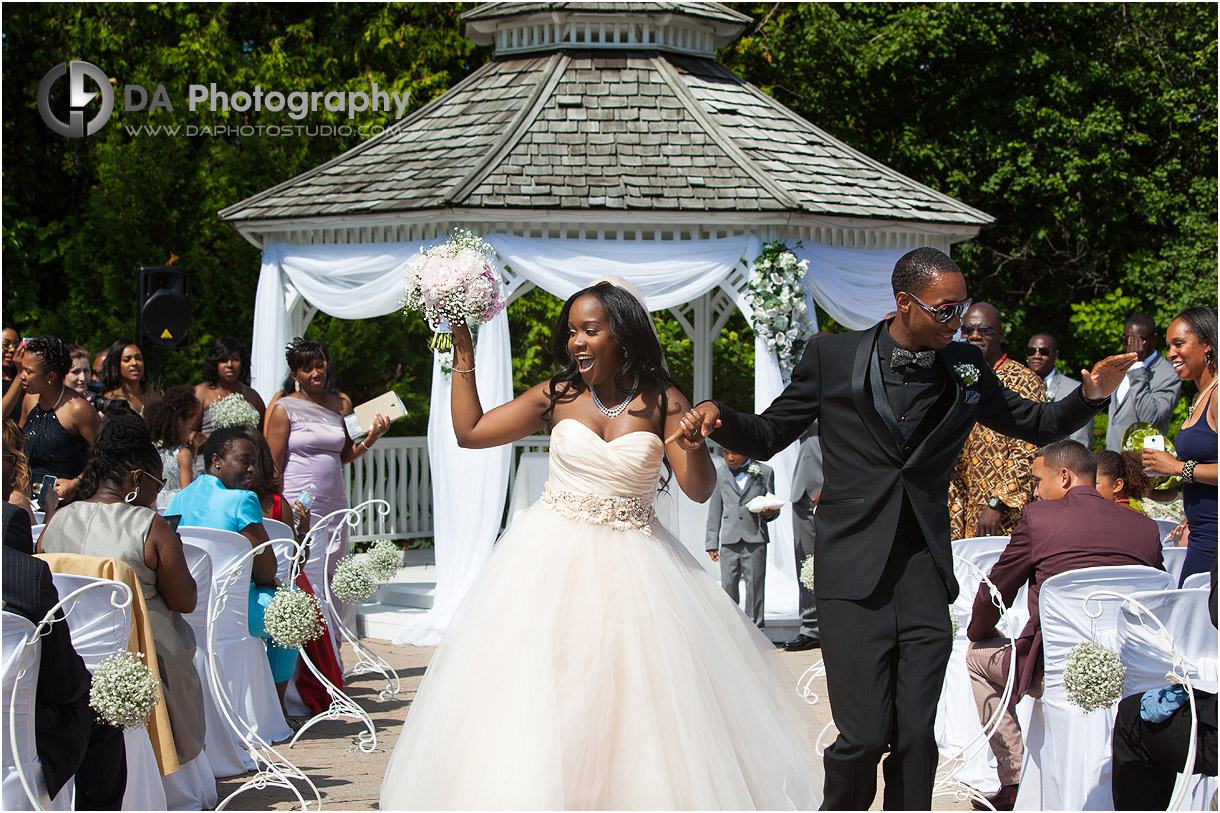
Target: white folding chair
[
  {"x": 968, "y": 760},
  {"x": 221, "y": 744},
  {"x": 1066, "y": 764},
  {"x": 1174, "y": 559},
  {"x": 245, "y": 674},
  {"x": 22, "y": 786},
  {"x": 1169, "y": 631},
  {"x": 100, "y": 629},
  {"x": 1197, "y": 580}
]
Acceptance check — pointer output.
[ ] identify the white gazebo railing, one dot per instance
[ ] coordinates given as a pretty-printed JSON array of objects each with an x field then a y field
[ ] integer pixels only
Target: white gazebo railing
[{"x": 397, "y": 470}]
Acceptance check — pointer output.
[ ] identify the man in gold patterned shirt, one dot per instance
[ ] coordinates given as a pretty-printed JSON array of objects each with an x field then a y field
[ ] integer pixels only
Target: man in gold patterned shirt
[{"x": 992, "y": 480}]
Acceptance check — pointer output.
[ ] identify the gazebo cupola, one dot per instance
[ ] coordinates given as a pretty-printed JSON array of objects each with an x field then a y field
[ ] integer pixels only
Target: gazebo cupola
[{"x": 696, "y": 29}]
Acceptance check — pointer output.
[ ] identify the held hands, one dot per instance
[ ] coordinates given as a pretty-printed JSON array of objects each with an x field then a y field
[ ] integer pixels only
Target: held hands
[
  {"x": 1106, "y": 375},
  {"x": 694, "y": 428}
]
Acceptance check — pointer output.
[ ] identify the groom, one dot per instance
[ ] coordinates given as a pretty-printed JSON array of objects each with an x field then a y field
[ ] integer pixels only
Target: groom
[{"x": 895, "y": 403}]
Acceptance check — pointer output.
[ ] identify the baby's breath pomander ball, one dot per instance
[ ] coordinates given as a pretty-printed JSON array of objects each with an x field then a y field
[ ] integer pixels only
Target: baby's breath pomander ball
[
  {"x": 352, "y": 583},
  {"x": 807, "y": 573},
  {"x": 383, "y": 560},
  {"x": 233, "y": 410},
  {"x": 1093, "y": 676},
  {"x": 293, "y": 617},
  {"x": 123, "y": 691}
]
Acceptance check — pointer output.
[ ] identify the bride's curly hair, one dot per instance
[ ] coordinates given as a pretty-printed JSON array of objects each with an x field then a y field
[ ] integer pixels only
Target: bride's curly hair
[{"x": 631, "y": 327}]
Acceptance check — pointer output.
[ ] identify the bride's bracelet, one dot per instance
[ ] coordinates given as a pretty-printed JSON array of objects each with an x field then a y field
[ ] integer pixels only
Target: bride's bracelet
[{"x": 455, "y": 370}]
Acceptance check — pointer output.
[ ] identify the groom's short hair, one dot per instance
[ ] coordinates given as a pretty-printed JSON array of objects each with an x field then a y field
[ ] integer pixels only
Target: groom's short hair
[{"x": 916, "y": 269}]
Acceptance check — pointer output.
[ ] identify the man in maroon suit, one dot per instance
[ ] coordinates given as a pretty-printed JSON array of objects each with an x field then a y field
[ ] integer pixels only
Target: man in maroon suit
[{"x": 1069, "y": 527}]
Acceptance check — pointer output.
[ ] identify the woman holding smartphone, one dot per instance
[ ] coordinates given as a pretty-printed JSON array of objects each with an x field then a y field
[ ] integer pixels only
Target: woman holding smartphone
[
  {"x": 1192, "y": 352},
  {"x": 59, "y": 424}
]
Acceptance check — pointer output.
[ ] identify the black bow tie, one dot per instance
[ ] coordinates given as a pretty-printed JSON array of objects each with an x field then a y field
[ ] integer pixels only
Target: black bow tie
[{"x": 902, "y": 357}]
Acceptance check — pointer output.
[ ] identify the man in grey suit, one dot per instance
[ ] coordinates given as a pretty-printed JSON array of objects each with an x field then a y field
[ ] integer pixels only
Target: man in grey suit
[
  {"x": 1151, "y": 387},
  {"x": 806, "y": 488},
  {"x": 736, "y": 536},
  {"x": 1041, "y": 355}
]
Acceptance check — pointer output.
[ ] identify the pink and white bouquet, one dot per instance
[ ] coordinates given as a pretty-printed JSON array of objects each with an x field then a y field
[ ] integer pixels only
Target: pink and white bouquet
[{"x": 455, "y": 281}]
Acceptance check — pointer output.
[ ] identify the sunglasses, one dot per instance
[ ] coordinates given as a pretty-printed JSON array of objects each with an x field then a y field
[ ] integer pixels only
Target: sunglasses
[
  {"x": 161, "y": 481},
  {"x": 943, "y": 313},
  {"x": 983, "y": 330},
  {"x": 1038, "y": 351}
]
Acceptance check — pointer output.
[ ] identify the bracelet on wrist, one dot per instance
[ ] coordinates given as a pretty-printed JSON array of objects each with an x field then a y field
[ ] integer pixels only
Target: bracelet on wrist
[
  {"x": 1188, "y": 471},
  {"x": 455, "y": 370}
]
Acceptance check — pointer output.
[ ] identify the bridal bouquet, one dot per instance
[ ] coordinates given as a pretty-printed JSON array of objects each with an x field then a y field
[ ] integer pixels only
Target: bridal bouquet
[
  {"x": 455, "y": 281},
  {"x": 293, "y": 617},
  {"x": 233, "y": 410},
  {"x": 123, "y": 691}
]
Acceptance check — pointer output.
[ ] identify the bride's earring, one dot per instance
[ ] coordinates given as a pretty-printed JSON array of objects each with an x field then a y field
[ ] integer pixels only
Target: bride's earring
[{"x": 131, "y": 497}]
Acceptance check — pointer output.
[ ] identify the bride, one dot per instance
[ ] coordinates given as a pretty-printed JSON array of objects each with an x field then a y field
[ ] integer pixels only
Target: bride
[{"x": 594, "y": 664}]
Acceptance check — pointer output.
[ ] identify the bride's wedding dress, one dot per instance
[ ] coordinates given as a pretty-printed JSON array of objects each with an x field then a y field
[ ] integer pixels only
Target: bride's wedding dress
[{"x": 595, "y": 665}]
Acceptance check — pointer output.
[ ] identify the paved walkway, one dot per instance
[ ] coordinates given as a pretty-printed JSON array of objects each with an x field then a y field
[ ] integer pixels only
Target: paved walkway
[{"x": 351, "y": 780}]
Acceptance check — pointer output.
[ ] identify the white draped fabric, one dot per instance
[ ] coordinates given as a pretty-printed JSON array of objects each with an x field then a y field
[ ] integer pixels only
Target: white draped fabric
[{"x": 365, "y": 280}]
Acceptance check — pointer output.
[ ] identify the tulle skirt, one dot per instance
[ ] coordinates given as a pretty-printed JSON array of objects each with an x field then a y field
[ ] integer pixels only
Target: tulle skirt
[{"x": 593, "y": 668}]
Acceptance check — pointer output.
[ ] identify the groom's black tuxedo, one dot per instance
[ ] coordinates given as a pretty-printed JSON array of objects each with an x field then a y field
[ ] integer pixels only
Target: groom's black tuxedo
[{"x": 884, "y": 572}]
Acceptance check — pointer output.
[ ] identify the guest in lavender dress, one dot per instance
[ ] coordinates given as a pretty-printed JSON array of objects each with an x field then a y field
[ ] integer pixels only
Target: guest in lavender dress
[{"x": 310, "y": 445}]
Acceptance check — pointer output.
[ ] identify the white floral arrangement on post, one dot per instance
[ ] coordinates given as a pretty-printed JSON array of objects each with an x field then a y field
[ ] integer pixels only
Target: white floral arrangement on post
[
  {"x": 807, "y": 573},
  {"x": 293, "y": 617},
  {"x": 383, "y": 560},
  {"x": 1093, "y": 676},
  {"x": 455, "y": 281},
  {"x": 777, "y": 296},
  {"x": 233, "y": 410},
  {"x": 955, "y": 623},
  {"x": 352, "y": 583},
  {"x": 123, "y": 691}
]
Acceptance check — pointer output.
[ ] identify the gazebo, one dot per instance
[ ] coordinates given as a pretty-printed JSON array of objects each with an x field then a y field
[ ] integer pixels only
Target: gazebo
[{"x": 602, "y": 138}]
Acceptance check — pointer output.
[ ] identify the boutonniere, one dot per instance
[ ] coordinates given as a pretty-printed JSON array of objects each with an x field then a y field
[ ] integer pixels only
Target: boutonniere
[
  {"x": 968, "y": 374},
  {"x": 753, "y": 469}
]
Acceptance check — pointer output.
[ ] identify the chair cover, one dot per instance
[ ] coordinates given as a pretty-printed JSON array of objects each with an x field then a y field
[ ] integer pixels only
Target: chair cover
[
  {"x": 99, "y": 630},
  {"x": 245, "y": 673},
  {"x": 140, "y": 639},
  {"x": 1067, "y": 752},
  {"x": 192, "y": 786},
  {"x": 1174, "y": 559},
  {"x": 225, "y": 755},
  {"x": 957, "y": 717},
  {"x": 36, "y": 531},
  {"x": 18, "y": 656},
  {"x": 1147, "y": 655},
  {"x": 1197, "y": 580}
]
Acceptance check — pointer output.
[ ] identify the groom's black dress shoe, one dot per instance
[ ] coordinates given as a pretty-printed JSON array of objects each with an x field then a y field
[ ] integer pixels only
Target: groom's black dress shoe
[
  {"x": 1003, "y": 799},
  {"x": 801, "y": 643}
]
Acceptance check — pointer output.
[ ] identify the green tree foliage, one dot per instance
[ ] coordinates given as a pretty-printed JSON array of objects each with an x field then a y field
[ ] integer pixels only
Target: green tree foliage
[
  {"x": 80, "y": 215},
  {"x": 1087, "y": 130}
]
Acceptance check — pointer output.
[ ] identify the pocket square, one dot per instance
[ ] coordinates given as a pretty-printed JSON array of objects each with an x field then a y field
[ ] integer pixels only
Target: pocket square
[{"x": 972, "y": 397}]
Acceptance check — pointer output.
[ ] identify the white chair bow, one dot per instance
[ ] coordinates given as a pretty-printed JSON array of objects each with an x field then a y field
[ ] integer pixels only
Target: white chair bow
[
  {"x": 1067, "y": 752},
  {"x": 22, "y": 770}
]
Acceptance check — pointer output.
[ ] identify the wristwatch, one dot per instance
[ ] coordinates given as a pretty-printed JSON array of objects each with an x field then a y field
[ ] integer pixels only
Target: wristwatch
[{"x": 996, "y": 504}]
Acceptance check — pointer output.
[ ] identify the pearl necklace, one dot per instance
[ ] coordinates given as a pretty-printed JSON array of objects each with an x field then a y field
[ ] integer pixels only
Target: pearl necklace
[{"x": 618, "y": 410}]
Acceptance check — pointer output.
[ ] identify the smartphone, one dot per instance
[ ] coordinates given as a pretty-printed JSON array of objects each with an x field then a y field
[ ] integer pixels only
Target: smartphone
[
  {"x": 48, "y": 485},
  {"x": 174, "y": 520},
  {"x": 1155, "y": 442}
]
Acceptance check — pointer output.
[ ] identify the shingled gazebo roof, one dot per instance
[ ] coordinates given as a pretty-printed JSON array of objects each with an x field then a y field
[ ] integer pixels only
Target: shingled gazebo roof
[{"x": 605, "y": 106}]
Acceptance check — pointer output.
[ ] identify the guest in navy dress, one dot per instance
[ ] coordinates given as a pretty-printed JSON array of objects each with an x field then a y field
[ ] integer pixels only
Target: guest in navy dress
[{"x": 1192, "y": 352}]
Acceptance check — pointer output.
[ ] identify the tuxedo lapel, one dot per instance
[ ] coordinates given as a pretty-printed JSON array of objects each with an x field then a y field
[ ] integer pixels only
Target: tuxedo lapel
[{"x": 868, "y": 393}]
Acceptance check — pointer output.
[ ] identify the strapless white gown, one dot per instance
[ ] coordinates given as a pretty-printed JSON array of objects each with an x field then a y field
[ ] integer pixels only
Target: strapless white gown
[{"x": 596, "y": 665}]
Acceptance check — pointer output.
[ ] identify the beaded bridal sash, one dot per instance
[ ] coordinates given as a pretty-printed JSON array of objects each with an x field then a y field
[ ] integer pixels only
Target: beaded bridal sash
[{"x": 620, "y": 513}]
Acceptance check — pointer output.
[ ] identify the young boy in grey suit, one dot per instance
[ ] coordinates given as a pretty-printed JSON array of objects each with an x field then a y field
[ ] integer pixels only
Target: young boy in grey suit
[{"x": 737, "y": 537}]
